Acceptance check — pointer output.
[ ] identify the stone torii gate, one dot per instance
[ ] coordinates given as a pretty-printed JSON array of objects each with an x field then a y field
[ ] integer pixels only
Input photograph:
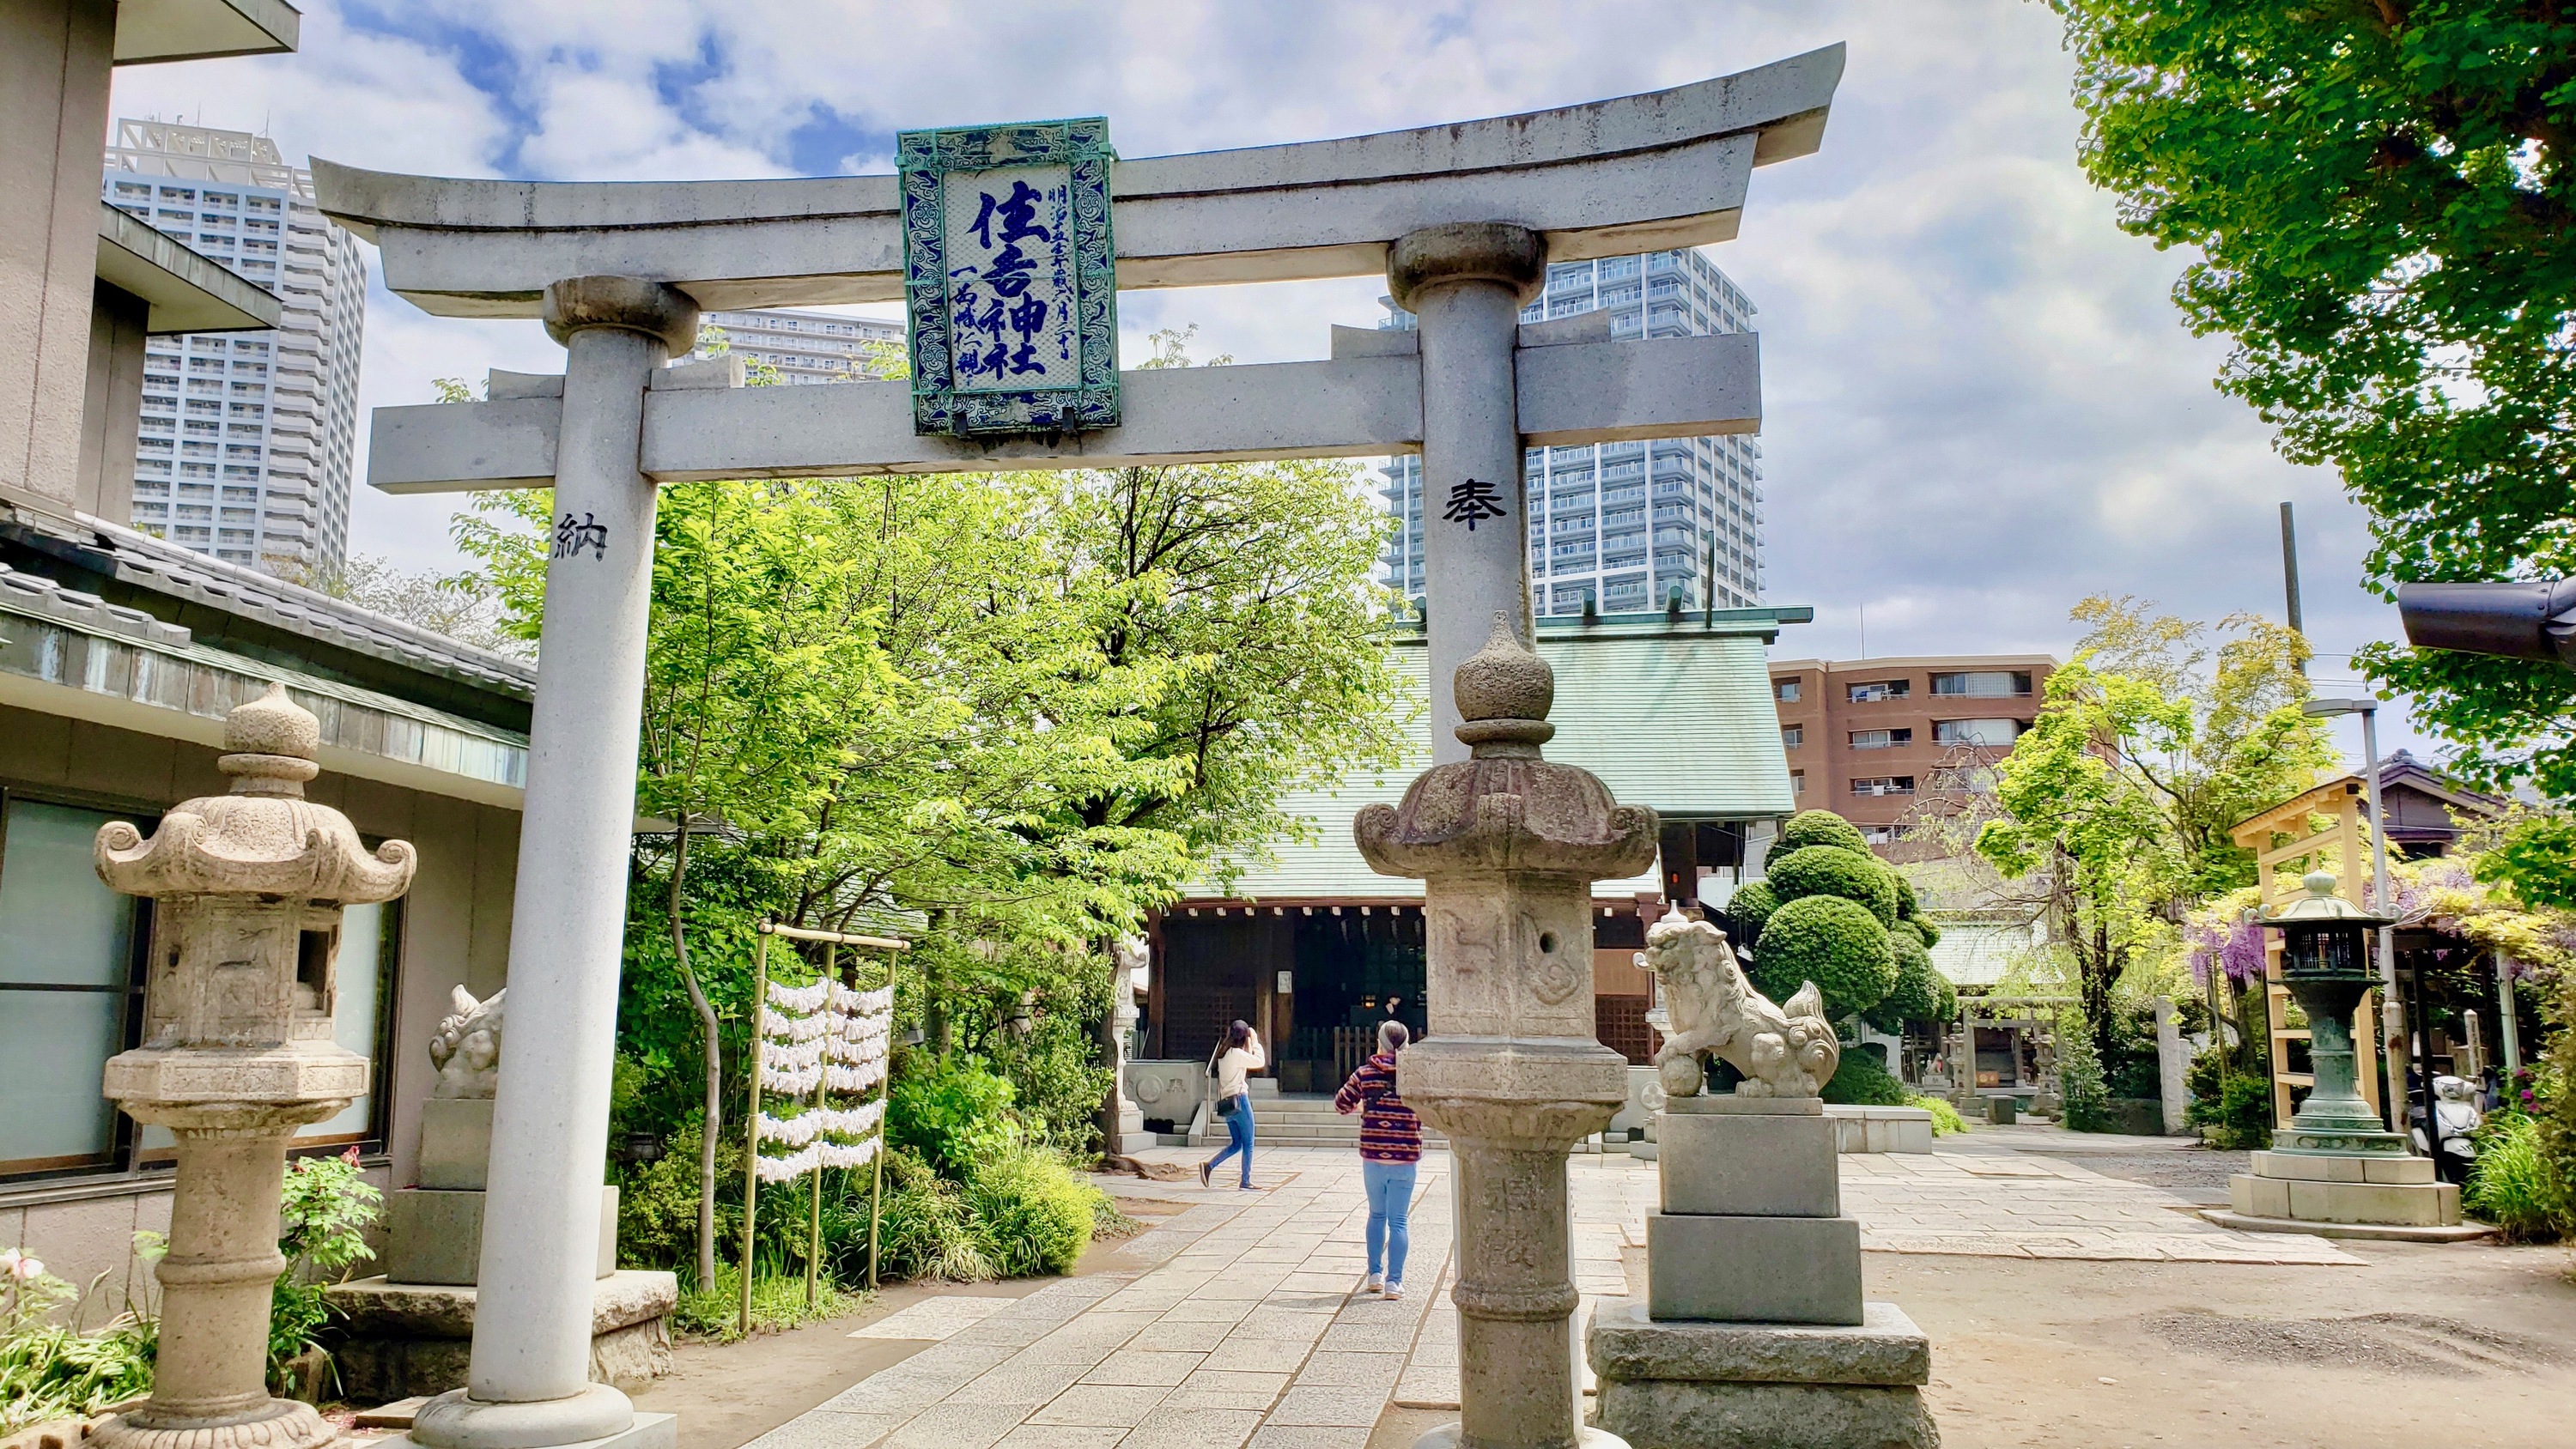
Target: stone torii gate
[{"x": 1461, "y": 219}]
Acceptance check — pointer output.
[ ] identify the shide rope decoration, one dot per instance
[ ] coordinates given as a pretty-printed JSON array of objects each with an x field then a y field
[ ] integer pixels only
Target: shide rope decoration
[{"x": 814, "y": 1041}]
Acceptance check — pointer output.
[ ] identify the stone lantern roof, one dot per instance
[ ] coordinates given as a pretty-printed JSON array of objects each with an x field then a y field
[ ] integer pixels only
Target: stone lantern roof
[{"x": 264, "y": 838}]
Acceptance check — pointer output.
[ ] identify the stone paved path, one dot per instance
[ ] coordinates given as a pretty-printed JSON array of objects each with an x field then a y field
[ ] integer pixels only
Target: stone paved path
[{"x": 1239, "y": 1324}]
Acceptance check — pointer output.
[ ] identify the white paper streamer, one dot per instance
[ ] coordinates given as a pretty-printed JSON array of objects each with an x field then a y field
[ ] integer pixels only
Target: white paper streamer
[
  {"x": 854, "y": 1079},
  {"x": 819, "y": 1154},
  {"x": 798, "y": 1130}
]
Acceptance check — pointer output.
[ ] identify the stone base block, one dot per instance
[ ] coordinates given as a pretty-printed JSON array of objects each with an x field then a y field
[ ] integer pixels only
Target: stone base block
[
  {"x": 2358, "y": 1232},
  {"x": 1671, "y": 1414},
  {"x": 455, "y": 1142},
  {"x": 1753, "y": 1270},
  {"x": 1886, "y": 1349},
  {"x": 649, "y": 1431},
  {"x": 435, "y": 1235},
  {"x": 1881, "y": 1129},
  {"x": 1749, "y": 1166},
  {"x": 1727, "y": 1104},
  {"x": 2427, "y": 1204},
  {"x": 401, "y": 1340},
  {"x": 2384, "y": 1169}
]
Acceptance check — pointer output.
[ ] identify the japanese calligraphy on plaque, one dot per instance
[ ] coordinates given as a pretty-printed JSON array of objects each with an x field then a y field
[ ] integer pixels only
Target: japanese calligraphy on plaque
[{"x": 1010, "y": 278}]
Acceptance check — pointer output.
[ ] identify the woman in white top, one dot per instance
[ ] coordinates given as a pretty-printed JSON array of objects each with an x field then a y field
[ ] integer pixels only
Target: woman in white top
[{"x": 1236, "y": 1058}]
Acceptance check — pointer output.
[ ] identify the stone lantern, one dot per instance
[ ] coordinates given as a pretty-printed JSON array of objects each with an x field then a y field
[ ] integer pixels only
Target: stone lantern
[
  {"x": 1507, "y": 846},
  {"x": 2335, "y": 1163},
  {"x": 237, "y": 1054}
]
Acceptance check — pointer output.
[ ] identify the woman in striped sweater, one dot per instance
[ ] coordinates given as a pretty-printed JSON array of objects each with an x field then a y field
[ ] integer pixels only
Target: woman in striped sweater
[{"x": 1390, "y": 1147}]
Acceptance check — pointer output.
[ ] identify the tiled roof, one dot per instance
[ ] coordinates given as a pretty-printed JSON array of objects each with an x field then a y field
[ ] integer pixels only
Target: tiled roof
[
  {"x": 166, "y": 568},
  {"x": 1673, "y": 716}
]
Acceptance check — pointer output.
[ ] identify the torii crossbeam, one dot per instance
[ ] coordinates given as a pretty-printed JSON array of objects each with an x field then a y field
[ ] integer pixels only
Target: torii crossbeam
[{"x": 1460, "y": 219}]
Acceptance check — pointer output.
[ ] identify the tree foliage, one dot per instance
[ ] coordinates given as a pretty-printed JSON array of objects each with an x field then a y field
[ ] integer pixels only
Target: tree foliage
[
  {"x": 2113, "y": 809},
  {"x": 2385, "y": 214}
]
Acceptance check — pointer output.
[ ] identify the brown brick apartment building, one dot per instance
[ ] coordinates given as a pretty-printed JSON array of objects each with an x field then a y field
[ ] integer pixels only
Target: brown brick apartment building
[{"x": 1865, "y": 737}]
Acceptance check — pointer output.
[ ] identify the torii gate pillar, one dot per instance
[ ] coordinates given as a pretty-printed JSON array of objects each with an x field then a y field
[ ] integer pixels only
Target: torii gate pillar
[
  {"x": 529, "y": 1383},
  {"x": 1466, "y": 285},
  {"x": 1507, "y": 846}
]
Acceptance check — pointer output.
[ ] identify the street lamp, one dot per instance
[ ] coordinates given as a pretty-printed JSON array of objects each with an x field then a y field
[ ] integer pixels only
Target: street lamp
[
  {"x": 2325, "y": 966},
  {"x": 2392, "y": 1013}
]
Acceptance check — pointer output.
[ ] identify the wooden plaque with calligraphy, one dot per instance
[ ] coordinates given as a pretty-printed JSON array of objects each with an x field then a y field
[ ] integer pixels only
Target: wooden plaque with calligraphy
[{"x": 1010, "y": 278}]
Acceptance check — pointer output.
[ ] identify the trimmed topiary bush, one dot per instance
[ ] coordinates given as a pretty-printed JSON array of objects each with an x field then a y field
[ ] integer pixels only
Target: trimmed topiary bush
[
  {"x": 1814, "y": 827},
  {"x": 1746, "y": 911},
  {"x": 1825, "y": 870},
  {"x": 1918, "y": 992},
  {"x": 1033, "y": 1213},
  {"x": 1835, "y": 943},
  {"x": 1908, "y": 905}
]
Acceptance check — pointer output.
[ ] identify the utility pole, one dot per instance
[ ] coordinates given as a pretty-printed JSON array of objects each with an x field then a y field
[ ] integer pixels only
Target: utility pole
[{"x": 2290, "y": 575}]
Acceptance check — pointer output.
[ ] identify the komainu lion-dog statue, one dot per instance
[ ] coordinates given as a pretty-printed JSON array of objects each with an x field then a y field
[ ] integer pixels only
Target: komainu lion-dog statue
[{"x": 1788, "y": 1050}]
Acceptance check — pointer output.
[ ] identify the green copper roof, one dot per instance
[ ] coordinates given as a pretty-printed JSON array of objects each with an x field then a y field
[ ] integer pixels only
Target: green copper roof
[{"x": 1676, "y": 716}]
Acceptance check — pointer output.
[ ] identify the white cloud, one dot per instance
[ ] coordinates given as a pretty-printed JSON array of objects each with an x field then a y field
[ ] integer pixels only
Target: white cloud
[{"x": 1981, "y": 404}]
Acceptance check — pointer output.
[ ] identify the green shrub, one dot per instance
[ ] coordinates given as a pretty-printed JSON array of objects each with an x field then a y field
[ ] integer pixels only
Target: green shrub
[
  {"x": 1746, "y": 911},
  {"x": 51, "y": 1370},
  {"x": 657, "y": 1202},
  {"x": 1033, "y": 1213},
  {"x": 2233, "y": 1109},
  {"x": 926, "y": 1231},
  {"x": 952, "y": 1111},
  {"x": 1919, "y": 990},
  {"x": 1859, "y": 1081},
  {"x": 1835, "y": 943},
  {"x": 1824, "y": 870},
  {"x": 1924, "y": 927},
  {"x": 1908, "y": 905},
  {"x": 2079, "y": 1077},
  {"x": 1813, "y": 827},
  {"x": 2515, "y": 1186},
  {"x": 325, "y": 1211},
  {"x": 1946, "y": 1121}
]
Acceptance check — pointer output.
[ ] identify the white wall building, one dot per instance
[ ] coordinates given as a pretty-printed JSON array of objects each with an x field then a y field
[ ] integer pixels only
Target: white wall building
[
  {"x": 1625, "y": 523},
  {"x": 248, "y": 439},
  {"x": 805, "y": 347}
]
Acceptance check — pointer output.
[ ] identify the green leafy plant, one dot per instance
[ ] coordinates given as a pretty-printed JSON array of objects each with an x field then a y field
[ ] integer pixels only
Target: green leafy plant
[
  {"x": 927, "y": 1230},
  {"x": 713, "y": 1314},
  {"x": 1946, "y": 1121},
  {"x": 1920, "y": 994},
  {"x": 2516, "y": 1186},
  {"x": 2079, "y": 1077},
  {"x": 325, "y": 1209},
  {"x": 1747, "y": 912},
  {"x": 54, "y": 1370},
  {"x": 1033, "y": 1213},
  {"x": 953, "y": 1112},
  {"x": 2232, "y": 1109}
]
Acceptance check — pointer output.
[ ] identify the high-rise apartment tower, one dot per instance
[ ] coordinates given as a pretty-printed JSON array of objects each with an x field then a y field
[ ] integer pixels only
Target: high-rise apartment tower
[
  {"x": 805, "y": 347},
  {"x": 1625, "y": 524},
  {"x": 248, "y": 439}
]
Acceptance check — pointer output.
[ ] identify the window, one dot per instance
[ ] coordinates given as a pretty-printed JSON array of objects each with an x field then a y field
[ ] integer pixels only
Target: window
[
  {"x": 1881, "y": 739},
  {"x": 1797, "y": 783},
  {"x": 69, "y": 986},
  {"x": 1872, "y": 786},
  {"x": 1878, "y": 834},
  {"x": 1998, "y": 732},
  {"x": 1785, "y": 690},
  {"x": 1878, "y": 690},
  {"x": 1792, "y": 736},
  {"x": 1983, "y": 683}
]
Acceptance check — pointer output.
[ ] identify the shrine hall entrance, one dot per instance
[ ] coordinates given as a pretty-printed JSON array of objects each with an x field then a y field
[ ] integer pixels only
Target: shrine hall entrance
[{"x": 1314, "y": 980}]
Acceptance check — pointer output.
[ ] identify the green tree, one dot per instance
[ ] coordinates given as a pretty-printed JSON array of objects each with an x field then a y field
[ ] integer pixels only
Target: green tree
[
  {"x": 2113, "y": 808},
  {"x": 2380, "y": 196}
]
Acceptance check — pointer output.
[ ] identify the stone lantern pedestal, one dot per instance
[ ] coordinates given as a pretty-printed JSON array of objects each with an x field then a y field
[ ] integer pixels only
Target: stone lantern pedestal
[
  {"x": 1507, "y": 846},
  {"x": 237, "y": 1054}
]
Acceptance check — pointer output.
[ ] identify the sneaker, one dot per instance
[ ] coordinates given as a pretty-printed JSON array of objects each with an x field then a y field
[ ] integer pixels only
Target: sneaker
[
  {"x": 1394, "y": 1291},
  {"x": 1203, "y": 1174},
  {"x": 1375, "y": 1284}
]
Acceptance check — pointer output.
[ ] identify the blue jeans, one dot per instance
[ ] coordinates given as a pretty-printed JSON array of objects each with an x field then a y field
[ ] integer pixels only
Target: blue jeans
[
  {"x": 1238, "y": 1138},
  {"x": 1390, "y": 1199}
]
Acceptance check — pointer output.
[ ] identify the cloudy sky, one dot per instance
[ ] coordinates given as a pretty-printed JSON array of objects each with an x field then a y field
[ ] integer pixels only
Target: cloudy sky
[{"x": 1980, "y": 404}]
